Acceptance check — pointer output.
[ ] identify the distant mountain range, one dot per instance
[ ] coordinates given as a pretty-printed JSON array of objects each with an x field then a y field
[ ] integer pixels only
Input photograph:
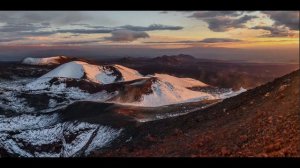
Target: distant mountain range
[{"x": 224, "y": 74}]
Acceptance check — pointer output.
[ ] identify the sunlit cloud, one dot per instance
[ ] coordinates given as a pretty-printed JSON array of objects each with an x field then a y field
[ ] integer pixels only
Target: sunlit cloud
[
  {"x": 220, "y": 21},
  {"x": 289, "y": 19},
  {"x": 275, "y": 31}
]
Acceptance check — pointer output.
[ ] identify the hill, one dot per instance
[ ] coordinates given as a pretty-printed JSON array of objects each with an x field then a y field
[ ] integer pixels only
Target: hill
[{"x": 260, "y": 122}]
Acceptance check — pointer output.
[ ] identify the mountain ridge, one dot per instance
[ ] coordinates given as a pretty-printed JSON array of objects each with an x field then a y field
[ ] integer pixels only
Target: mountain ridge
[
  {"x": 263, "y": 121},
  {"x": 150, "y": 90}
]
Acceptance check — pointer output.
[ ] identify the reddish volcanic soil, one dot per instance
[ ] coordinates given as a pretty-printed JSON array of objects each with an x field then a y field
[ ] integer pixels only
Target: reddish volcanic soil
[{"x": 260, "y": 122}]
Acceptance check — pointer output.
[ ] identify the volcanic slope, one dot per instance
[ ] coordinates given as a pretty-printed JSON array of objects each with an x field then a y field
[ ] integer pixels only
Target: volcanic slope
[
  {"x": 128, "y": 85},
  {"x": 263, "y": 121}
]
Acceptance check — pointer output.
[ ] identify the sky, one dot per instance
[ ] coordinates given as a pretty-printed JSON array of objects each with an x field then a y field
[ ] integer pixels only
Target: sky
[{"x": 239, "y": 35}]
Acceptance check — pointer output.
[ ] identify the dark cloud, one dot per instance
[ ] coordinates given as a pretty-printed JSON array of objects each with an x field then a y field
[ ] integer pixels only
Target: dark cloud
[
  {"x": 80, "y": 24},
  {"x": 57, "y": 17},
  {"x": 152, "y": 27},
  {"x": 20, "y": 24},
  {"x": 83, "y": 31},
  {"x": 220, "y": 40},
  {"x": 39, "y": 29},
  {"x": 46, "y": 24},
  {"x": 103, "y": 29},
  {"x": 220, "y": 21},
  {"x": 76, "y": 42},
  {"x": 10, "y": 39},
  {"x": 208, "y": 14},
  {"x": 243, "y": 19},
  {"x": 172, "y": 42},
  {"x": 221, "y": 24},
  {"x": 35, "y": 33},
  {"x": 126, "y": 35},
  {"x": 22, "y": 30},
  {"x": 289, "y": 19},
  {"x": 19, "y": 27},
  {"x": 207, "y": 40},
  {"x": 274, "y": 31}
]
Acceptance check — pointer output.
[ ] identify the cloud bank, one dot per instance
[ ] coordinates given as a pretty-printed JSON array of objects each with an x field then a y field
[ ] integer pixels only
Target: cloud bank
[
  {"x": 126, "y": 36},
  {"x": 206, "y": 40},
  {"x": 221, "y": 21}
]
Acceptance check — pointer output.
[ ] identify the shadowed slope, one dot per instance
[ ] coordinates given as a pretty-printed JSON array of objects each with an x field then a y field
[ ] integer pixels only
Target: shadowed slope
[{"x": 260, "y": 122}]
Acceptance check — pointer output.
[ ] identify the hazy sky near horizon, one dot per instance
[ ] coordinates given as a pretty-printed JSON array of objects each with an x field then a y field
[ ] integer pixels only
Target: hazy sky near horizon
[{"x": 148, "y": 30}]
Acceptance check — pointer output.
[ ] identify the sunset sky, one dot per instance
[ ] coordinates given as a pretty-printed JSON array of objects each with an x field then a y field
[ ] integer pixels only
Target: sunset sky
[{"x": 63, "y": 31}]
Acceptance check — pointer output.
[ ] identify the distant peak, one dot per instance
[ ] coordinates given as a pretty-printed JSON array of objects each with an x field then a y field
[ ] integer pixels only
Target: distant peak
[{"x": 174, "y": 58}]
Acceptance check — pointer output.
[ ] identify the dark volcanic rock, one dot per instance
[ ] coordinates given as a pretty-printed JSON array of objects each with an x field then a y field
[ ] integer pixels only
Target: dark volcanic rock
[
  {"x": 129, "y": 91},
  {"x": 95, "y": 112},
  {"x": 115, "y": 72},
  {"x": 132, "y": 92},
  {"x": 250, "y": 124},
  {"x": 88, "y": 86},
  {"x": 181, "y": 58},
  {"x": 219, "y": 73},
  {"x": 38, "y": 101},
  {"x": 11, "y": 70}
]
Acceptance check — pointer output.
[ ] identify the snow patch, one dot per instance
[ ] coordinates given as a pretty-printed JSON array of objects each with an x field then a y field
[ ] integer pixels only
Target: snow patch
[
  {"x": 12, "y": 102},
  {"x": 70, "y": 149},
  {"x": 12, "y": 146},
  {"x": 73, "y": 139},
  {"x": 41, "y": 136},
  {"x": 69, "y": 70},
  {"x": 103, "y": 137},
  {"x": 165, "y": 93},
  {"x": 52, "y": 103},
  {"x": 101, "y": 96},
  {"x": 231, "y": 93},
  {"x": 127, "y": 73},
  {"x": 182, "y": 82},
  {"x": 80, "y": 70},
  {"x": 89, "y": 137},
  {"x": 26, "y": 121}
]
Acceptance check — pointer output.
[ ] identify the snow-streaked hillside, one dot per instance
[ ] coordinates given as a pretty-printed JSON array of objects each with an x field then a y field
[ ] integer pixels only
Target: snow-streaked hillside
[
  {"x": 36, "y": 130},
  {"x": 182, "y": 82},
  {"x": 127, "y": 73},
  {"x": 83, "y": 70},
  {"x": 167, "y": 90},
  {"x": 231, "y": 93},
  {"x": 44, "y": 61},
  {"x": 149, "y": 91},
  {"x": 68, "y": 70},
  {"x": 79, "y": 69}
]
